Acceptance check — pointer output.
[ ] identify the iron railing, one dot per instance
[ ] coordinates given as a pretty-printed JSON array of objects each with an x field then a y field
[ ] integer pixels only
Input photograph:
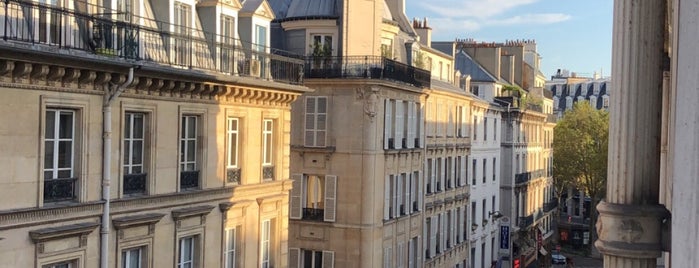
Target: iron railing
[
  {"x": 268, "y": 172},
  {"x": 134, "y": 183},
  {"x": 522, "y": 177},
  {"x": 62, "y": 189},
  {"x": 233, "y": 175},
  {"x": 524, "y": 222},
  {"x": 367, "y": 67},
  {"x": 100, "y": 31},
  {"x": 551, "y": 205},
  {"x": 313, "y": 214},
  {"x": 189, "y": 179}
]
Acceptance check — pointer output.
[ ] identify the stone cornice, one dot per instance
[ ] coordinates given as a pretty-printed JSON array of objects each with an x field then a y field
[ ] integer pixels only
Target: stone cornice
[
  {"x": 182, "y": 213},
  {"x": 52, "y": 233},
  {"x": 50, "y": 77},
  {"x": 137, "y": 220}
]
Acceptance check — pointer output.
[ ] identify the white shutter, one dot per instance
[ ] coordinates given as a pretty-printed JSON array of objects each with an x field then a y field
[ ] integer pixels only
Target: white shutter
[
  {"x": 407, "y": 184},
  {"x": 399, "y": 254},
  {"x": 453, "y": 227},
  {"x": 419, "y": 252},
  {"x": 433, "y": 236},
  {"x": 387, "y": 130},
  {"x": 328, "y": 259},
  {"x": 464, "y": 170},
  {"x": 411, "y": 125},
  {"x": 294, "y": 257},
  {"x": 443, "y": 231},
  {"x": 387, "y": 258},
  {"x": 295, "y": 199},
  {"x": 442, "y": 177},
  {"x": 452, "y": 171},
  {"x": 310, "y": 124},
  {"x": 321, "y": 121},
  {"x": 400, "y": 121},
  {"x": 330, "y": 198},
  {"x": 421, "y": 125},
  {"x": 433, "y": 176},
  {"x": 387, "y": 198},
  {"x": 420, "y": 186},
  {"x": 398, "y": 194}
]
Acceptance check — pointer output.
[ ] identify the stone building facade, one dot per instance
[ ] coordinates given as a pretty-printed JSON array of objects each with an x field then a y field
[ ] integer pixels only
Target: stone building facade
[{"x": 148, "y": 133}]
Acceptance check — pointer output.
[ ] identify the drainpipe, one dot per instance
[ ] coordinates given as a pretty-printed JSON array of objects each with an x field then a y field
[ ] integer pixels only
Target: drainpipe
[{"x": 112, "y": 93}]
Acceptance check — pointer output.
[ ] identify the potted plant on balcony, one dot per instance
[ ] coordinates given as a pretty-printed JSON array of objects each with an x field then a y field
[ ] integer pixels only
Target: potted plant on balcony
[{"x": 321, "y": 61}]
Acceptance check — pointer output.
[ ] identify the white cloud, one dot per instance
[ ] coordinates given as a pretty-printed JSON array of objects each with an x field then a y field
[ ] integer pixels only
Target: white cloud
[
  {"x": 448, "y": 24},
  {"x": 473, "y": 8},
  {"x": 543, "y": 18}
]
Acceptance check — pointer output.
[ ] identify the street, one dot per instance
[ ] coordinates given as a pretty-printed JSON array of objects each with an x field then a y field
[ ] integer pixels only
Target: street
[{"x": 581, "y": 262}]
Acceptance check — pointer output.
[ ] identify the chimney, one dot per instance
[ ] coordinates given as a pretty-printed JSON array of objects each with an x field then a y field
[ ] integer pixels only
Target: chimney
[
  {"x": 424, "y": 32},
  {"x": 507, "y": 68}
]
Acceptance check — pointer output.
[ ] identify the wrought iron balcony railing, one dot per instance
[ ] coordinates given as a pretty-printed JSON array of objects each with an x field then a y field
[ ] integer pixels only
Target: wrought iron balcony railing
[
  {"x": 551, "y": 205},
  {"x": 313, "y": 214},
  {"x": 189, "y": 179},
  {"x": 134, "y": 183},
  {"x": 268, "y": 173},
  {"x": 524, "y": 222},
  {"x": 522, "y": 177},
  {"x": 59, "y": 189},
  {"x": 367, "y": 67},
  {"x": 97, "y": 30},
  {"x": 233, "y": 175}
]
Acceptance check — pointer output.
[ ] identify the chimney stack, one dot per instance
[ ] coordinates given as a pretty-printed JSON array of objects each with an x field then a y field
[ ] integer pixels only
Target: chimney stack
[{"x": 423, "y": 31}]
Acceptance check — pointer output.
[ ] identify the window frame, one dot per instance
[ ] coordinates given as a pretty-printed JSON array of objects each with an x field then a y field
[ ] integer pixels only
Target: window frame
[
  {"x": 315, "y": 130},
  {"x": 194, "y": 247},
  {"x": 268, "y": 142},
  {"x": 56, "y": 140},
  {"x": 232, "y": 158},
  {"x": 142, "y": 262}
]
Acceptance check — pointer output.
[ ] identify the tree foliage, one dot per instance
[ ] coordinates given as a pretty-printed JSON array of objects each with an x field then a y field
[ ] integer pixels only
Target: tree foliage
[{"x": 580, "y": 142}]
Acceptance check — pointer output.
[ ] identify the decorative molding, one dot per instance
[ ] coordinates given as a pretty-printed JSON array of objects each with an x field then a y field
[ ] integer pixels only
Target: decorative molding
[
  {"x": 179, "y": 214},
  {"x": 52, "y": 233},
  {"x": 632, "y": 231},
  {"x": 6, "y": 68},
  {"x": 136, "y": 220}
]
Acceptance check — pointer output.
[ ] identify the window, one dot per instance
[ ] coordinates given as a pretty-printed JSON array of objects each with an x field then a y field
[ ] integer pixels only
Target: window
[
  {"x": 231, "y": 252},
  {"x": 474, "y": 222},
  {"x": 413, "y": 258},
  {"x": 495, "y": 129},
  {"x": 261, "y": 37},
  {"x": 63, "y": 264},
  {"x": 59, "y": 155},
  {"x": 132, "y": 258},
  {"x": 473, "y": 171},
  {"x": 322, "y": 45},
  {"x": 483, "y": 212},
  {"x": 227, "y": 43},
  {"x": 387, "y": 257},
  {"x": 134, "y": 144},
  {"x": 266, "y": 244},
  {"x": 182, "y": 23},
  {"x": 475, "y": 128},
  {"x": 495, "y": 167},
  {"x": 440, "y": 174},
  {"x": 267, "y": 149},
  {"x": 415, "y": 191},
  {"x": 316, "y": 121},
  {"x": 187, "y": 247},
  {"x": 50, "y": 23},
  {"x": 313, "y": 197},
  {"x": 313, "y": 259},
  {"x": 484, "y": 169},
  {"x": 485, "y": 129},
  {"x": 232, "y": 150},
  {"x": 189, "y": 171},
  {"x": 475, "y": 91},
  {"x": 387, "y": 48},
  {"x": 431, "y": 176},
  {"x": 492, "y": 205}
]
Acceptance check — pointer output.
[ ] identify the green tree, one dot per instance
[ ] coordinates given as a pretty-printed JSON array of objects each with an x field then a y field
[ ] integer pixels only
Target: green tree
[{"x": 580, "y": 142}]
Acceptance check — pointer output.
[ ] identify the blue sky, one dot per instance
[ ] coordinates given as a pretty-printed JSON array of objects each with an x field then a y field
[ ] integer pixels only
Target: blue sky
[{"x": 570, "y": 34}]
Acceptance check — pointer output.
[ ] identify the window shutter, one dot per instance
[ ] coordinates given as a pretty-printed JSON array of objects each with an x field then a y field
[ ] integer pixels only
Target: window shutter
[
  {"x": 387, "y": 198},
  {"x": 459, "y": 225},
  {"x": 420, "y": 186},
  {"x": 464, "y": 171},
  {"x": 330, "y": 197},
  {"x": 419, "y": 252},
  {"x": 398, "y": 133},
  {"x": 421, "y": 123},
  {"x": 433, "y": 236},
  {"x": 443, "y": 230},
  {"x": 295, "y": 200},
  {"x": 433, "y": 176},
  {"x": 450, "y": 123},
  {"x": 310, "y": 125},
  {"x": 411, "y": 125},
  {"x": 453, "y": 227},
  {"x": 321, "y": 121},
  {"x": 387, "y": 130},
  {"x": 443, "y": 171},
  {"x": 452, "y": 171},
  {"x": 294, "y": 257},
  {"x": 400, "y": 255},
  {"x": 398, "y": 197},
  {"x": 328, "y": 259},
  {"x": 408, "y": 198}
]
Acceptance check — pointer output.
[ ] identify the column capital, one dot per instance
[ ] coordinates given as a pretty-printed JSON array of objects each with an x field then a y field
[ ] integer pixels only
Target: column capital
[{"x": 632, "y": 231}]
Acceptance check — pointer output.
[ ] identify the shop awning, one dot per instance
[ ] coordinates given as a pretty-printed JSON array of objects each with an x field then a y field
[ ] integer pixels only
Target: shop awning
[{"x": 543, "y": 251}]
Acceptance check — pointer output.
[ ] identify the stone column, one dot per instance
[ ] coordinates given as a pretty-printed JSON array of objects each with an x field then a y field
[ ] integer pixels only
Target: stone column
[{"x": 630, "y": 220}]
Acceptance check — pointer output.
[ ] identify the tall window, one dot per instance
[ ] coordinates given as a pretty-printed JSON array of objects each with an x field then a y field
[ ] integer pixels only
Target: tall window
[
  {"x": 267, "y": 149},
  {"x": 187, "y": 247},
  {"x": 189, "y": 171},
  {"x": 132, "y": 258},
  {"x": 494, "y": 167},
  {"x": 134, "y": 142},
  {"x": 182, "y": 23},
  {"x": 495, "y": 129},
  {"x": 316, "y": 121},
  {"x": 475, "y": 127},
  {"x": 322, "y": 45},
  {"x": 485, "y": 129},
  {"x": 313, "y": 195},
  {"x": 63, "y": 264},
  {"x": 227, "y": 43},
  {"x": 50, "y": 23},
  {"x": 261, "y": 37},
  {"x": 266, "y": 253},
  {"x": 473, "y": 172},
  {"x": 231, "y": 252},
  {"x": 232, "y": 152},
  {"x": 59, "y": 155},
  {"x": 473, "y": 214}
]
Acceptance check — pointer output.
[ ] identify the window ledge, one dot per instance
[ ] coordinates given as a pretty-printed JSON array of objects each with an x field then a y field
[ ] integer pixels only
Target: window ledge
[
  {"x": 137, "y": 220},
  {"x": 179, "y": 214},
  {"x": 303, "y": 149},
  {"x": 79, "y": 229}
]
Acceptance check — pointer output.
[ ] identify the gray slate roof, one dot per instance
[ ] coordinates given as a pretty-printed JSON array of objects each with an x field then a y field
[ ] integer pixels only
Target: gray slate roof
[
  {"x": 561, "y": 91},
  {"x": 289, "y": 9},
  {"x": 468, "y": 66}
]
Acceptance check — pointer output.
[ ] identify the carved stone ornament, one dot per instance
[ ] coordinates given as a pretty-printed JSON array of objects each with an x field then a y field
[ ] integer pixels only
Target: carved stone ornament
[
  {"x": 370, "y": 97},
  {"x": 633, "y": 231}
]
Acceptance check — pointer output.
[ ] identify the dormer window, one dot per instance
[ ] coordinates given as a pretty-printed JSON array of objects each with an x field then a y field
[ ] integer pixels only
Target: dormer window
[
  {"x": 583, "y": 90},
  {"x": 322, "y": 45},
  {"x": 593, "y": 101},
  {"x": 569, "y": 102},
  {"x": 555, "y": 101},
  {"x": 581, "y": 98},
  {"x": 605, "y": 101},
  {"x": 387, "y": 48},
  {"x": 182, "y": 19},
  {"x": 595, "y": 88}
]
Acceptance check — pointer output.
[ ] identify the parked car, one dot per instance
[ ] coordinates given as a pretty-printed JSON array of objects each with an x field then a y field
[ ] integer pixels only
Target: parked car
[{"x": 557, "y": 258}]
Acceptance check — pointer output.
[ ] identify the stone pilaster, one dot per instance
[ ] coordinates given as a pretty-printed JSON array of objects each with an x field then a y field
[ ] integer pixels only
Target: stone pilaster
[{"x": 631, "y": 220}]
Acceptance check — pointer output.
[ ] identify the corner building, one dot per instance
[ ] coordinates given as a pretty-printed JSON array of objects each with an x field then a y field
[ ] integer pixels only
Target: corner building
[{"x": 147, "y": 133}]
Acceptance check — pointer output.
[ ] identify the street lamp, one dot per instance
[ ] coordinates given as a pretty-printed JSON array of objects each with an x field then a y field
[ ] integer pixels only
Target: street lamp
[{"x": 495, "y": 214}]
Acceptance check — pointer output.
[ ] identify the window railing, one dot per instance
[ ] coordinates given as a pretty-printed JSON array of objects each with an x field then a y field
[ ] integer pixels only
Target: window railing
[
  {"x": 268, "y": 173},
  {"x": 233, "y": 175},
  {"x": 551, "y": 205},
  {"x": 367, "y": 67},
  {"x": 522, "y": 177},
  {"x": 99, "y": 31},
  {"x": 134, "y": 183},
  {"x": 189, "y": 179},
  {"x": 313, "y": 214},
  {"x": 59, "y": 189},
  {"x": 524, "y": 222}
]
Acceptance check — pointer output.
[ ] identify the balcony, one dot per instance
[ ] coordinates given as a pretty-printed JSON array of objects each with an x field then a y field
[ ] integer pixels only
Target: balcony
[
  {"x": 56, "y": 190},
  {"x": 552, "y": 118},
  {"x": 551, "y": 205},
  {"x": 313, "y": 214},
  {"x": 365, "y": 67},
  {"x": 233, "y": 175},
  {"x": 522, "y": 177},
  {"x": 189, "y": 180},
  {"x": 100, "y": 33},
  {"x": 267, "y": 173},
  {"x": 134, "y": 183},
  {"x": 524, "y": 222}
]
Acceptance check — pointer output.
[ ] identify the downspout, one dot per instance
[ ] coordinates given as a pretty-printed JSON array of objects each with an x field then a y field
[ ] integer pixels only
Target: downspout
[{"x": 112, "y": 93}]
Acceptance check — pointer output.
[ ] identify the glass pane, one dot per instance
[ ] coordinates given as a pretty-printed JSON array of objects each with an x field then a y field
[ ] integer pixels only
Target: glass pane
[
  {"x": 48, "y": 154},
  {"x": 137, "y": 157},
  {"x": 191, "y": 150},
  {"x": 321, "y": 121},
  {"x": 136, "y": 169},
  {"x": 65, "y": 130},
  {"x": 182, "y": 149},
  {"x": 190, "y": 166},
  {"x": 65, "y": 151},
  {"x": 318, "y": 257},
  {"x": 230, "y": 243},
  {"x": 127, "y": 152},
  {"x": 64, "y": 174},
  {"x": 192, "y": 127},
  {"x": 233, "y": 149},
  {"x": 50, "y": 123},
  {"x": 310, "y": 124},
  {"x": 138, "y": 126},
  {"x": 134, "y": 258},
  {"x": 322, "y": 105},
  {"x": 48, "y": 174},
  {"x": 233, "y": 125},
  {"x": 230, "y": 259},
  {"x": 268, "y": 149},
  {"x": 310, "y": 105},
  {"x": 127, "y": 126},
  {"x": 183, "y": 127}
]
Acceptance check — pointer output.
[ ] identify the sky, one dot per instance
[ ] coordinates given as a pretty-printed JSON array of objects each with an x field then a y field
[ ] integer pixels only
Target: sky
[{"x": 570, "y": 34}]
